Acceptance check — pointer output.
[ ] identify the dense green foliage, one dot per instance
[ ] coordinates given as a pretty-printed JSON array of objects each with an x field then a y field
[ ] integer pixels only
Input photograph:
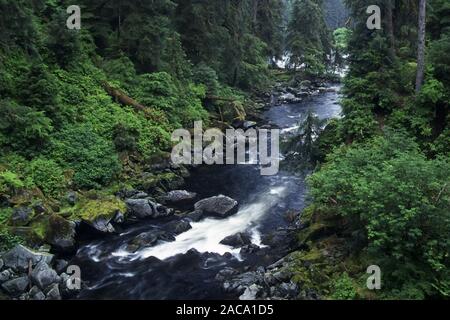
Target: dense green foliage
[
  {"x": 308, "y": 39},
  {"x": 388, "y": 176}
]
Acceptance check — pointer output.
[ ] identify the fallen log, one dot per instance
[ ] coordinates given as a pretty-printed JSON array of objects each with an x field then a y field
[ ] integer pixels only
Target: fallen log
[{"x": 121, "y": 97}]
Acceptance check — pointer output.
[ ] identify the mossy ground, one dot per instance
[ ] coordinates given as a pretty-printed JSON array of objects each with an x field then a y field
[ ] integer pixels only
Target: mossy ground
[{"x": 328, "y": 265}]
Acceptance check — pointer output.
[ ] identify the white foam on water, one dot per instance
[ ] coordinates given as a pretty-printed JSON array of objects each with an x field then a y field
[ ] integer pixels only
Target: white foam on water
[{"x": 205, "y": 236}]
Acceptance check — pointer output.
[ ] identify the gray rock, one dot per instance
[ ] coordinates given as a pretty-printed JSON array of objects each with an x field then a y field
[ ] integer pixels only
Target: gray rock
[
  {"x": 251, "y": 293},
  {"x": 38, "y": 296},
  {"x": 61, "y": 265},
  {"x": 140, "y": 195},
  {"x": 249, "y": 249},
  {"x": 238, "y": 240},
  {"x": 226, "y": 273},
  {"x": 144, "y": 208},
  {"x": 19, "y": 257},
  {"x": 16, "y": 287},
  {"x": 33, "y": 291},
  {"x": 5, "y": 276},
  {"x": 140, "y": 208},
  {"x": 71, "y": 198},
  {"x": 52, "y": 293},
  {"x": 1, "y": 264},
  {"x": 44, "y": 276},
  {"x": 62, "y": 235},
  {"x": 220, "y": 206},
  {"x": 242, "y": 281},
  {"x": 180, "y": 197},
  {"x": 178, "y": 227},
  {"x": 148, "y": 239},
  {"x": 249, "y": 124},
  {"x": 119, "y": 218},
  {"x": 21, "y": 216},
  {"x": 102, "y": 225},
  {"x": 195, "y": 216}
]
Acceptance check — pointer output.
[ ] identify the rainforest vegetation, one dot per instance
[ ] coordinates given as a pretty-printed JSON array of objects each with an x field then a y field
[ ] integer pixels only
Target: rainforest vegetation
[{"x": 90, "y": 110}]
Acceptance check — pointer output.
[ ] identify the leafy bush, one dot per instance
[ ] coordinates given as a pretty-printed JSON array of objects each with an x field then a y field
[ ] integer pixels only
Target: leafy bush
[
  {"x": 92, "y": 157},
  {"x": 47, "y": 175},
  {"x": 8, "y": 241},
  {"x": 401, "y": 200},
  {"x": 9, "y": 182},
  {"x": 23, "y": 128},
  {"x": 343, "y": 288}
]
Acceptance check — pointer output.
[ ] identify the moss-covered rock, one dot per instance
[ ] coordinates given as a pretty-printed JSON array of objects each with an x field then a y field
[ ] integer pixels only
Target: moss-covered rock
[{"x": 98, "y": 212}]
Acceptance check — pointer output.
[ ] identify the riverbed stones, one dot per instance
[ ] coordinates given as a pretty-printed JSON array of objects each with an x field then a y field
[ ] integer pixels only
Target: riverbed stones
[
  {"x": 5, "y": 275},
  {"x": 148, "y": 239},
  {"x": 43, "y": 276},
  {"x": 195, "y": 216},
  {"x": 180, "y": 197},
  {"x": 16, "y": 287},
  {"x": 178, "y": 227},
  {"x": 145, "y": 208},
  {"x": 220, "y": 206},
  {"x": 237, "y": 240},
  {"x": 19, "y": 257},
  {"x": 102, "y": 224},
  {"x": 251, "y": 293},
  {"x": 53, "y": 293}
]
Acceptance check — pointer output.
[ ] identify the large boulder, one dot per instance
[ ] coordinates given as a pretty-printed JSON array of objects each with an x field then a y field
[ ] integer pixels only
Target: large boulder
[
  {"x": 144, "y": 208},
  {"x": 61, "y": 233},
  {"x": 178, "y": 227},
  {"x": 19, "y": 257},
  {"x": 219, "y": 206},
  {"x": 99, "y": 213},
  {"x": 16, "y": 286},
  {"x": 102, "y": 224},
  {"x": 237, "y": 240},
  {"x": 43, "y": 276},
  {"x": 195, "y": 216},
  {"x": 180, "y": 197},
  {"x": 148, "y": 239}
]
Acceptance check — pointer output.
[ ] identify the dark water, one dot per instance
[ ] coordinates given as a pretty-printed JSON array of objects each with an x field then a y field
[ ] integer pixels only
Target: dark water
[{"x": 172, "y": 270}]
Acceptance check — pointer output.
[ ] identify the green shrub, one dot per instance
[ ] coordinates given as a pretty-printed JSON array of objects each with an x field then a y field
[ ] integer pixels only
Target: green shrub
[
  {"x": 401, "y": 200},
  {"x": 8, "y": 241},
  {"x": 343, "y": 288},
  {"x": 23, "y": 128},
  {"x": 10, "y": 182},
  {"x": 91, "y": 157},
  {"x": 47, "y": 175}
]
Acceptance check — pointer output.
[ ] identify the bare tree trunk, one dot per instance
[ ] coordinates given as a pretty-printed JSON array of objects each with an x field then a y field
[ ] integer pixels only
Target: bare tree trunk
[
  {"x": 421, "y": 45},
  {"x": 390, "y": 28}
]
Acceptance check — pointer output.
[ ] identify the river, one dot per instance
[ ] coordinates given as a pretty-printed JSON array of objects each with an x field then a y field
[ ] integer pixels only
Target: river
[{"x": 173, "y": 270}]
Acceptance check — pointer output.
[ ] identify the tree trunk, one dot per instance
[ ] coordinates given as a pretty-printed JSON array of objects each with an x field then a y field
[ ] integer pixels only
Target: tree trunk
[
  {"x": 421, "y": 45},
  {"x": 120, "y": 97},
  {"x": 390, "y": 28}
]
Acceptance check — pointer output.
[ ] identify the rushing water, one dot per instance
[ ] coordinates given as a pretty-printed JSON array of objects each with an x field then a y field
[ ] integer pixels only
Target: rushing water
[{"x": 173, "y": 270}]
